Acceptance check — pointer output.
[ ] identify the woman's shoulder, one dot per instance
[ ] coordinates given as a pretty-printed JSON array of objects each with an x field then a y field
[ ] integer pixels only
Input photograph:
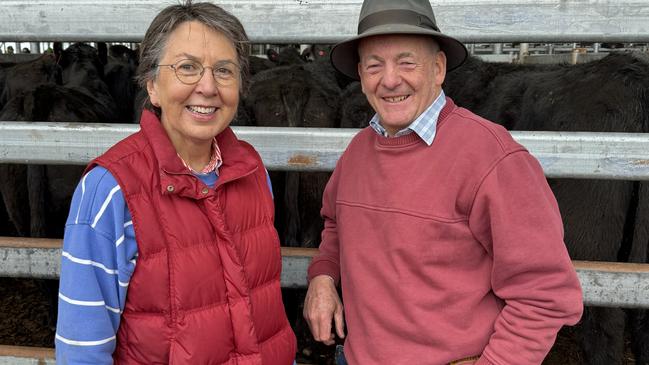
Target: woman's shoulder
[
  {"x": 99, "y": 180},
  {"x": 97, "y": 190}
]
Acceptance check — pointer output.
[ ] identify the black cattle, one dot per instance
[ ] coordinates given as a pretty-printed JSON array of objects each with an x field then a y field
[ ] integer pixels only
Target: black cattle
[
  {"x": 37, "y": 197},
  {"x": 299, "y": 95},
  {"x": 258, "y": 64},
  {"x": 287, "y": 55},
  {"x": 604, "y": 220},
  {"x": 316, "y": 52},
  {"x": 47, "y": 189},
  {"x": 83, "y": 70},
  {"x": 321, "y": 53},
  {"x": 302, "y": 95},
  {"x": 119, "y": 74},
  {"x": 355, "y": 111},
  {"x": 24, "y": 76}
]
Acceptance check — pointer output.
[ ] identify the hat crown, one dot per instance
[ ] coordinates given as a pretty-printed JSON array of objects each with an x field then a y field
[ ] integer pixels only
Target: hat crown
[
  {"x": 372, "y": 10},
  {"x": 389, "y": 17}
]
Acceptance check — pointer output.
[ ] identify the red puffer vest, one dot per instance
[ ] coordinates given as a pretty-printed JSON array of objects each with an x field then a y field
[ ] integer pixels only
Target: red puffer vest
[{"x": 206, "y": 288}]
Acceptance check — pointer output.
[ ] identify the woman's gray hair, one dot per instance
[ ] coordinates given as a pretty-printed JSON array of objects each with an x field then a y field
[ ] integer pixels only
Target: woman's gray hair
[{"x": 212, "y": 16}]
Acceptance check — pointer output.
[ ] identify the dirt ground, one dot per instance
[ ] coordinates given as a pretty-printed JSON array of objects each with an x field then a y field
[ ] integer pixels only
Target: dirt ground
[{"x": 25, "y": 321}]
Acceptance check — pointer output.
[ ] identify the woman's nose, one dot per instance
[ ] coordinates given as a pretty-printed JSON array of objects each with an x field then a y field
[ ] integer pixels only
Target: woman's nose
[{"x": 207, "y": 84}]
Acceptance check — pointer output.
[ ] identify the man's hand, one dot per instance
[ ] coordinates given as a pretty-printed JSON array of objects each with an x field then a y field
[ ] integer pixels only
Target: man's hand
[{"x": 322, "y": 304}]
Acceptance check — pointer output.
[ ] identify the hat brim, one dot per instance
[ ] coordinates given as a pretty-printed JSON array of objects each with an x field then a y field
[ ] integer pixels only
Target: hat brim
[{"x": 344, "y": 55}]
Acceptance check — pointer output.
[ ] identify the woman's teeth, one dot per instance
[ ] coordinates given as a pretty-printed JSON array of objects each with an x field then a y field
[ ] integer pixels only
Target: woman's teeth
[{"x": 201, "y": 109}]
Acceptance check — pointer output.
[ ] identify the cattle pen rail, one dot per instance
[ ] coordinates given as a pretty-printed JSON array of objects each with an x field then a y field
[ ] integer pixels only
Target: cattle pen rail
[
  {"x": 577, "y": 155},
  {"x": 326, "y": 21},
  {"x": 562, "y": 155},
  {"x": 604, "y": 283}
]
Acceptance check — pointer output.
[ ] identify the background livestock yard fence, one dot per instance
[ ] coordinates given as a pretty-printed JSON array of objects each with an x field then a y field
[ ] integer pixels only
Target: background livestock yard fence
[{"x": 563, "y": 155}]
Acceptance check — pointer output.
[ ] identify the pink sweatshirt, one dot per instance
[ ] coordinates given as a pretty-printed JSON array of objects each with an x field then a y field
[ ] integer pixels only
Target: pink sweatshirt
[{"x": 446, "y": 251}]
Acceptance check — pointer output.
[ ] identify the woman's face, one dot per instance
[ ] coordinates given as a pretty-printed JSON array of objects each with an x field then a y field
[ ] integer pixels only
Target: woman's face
[{"x": 194, "y": 114}]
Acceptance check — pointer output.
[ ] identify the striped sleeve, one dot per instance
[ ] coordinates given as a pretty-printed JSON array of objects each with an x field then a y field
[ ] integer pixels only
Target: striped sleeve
[{"x": 98, "y": 259}]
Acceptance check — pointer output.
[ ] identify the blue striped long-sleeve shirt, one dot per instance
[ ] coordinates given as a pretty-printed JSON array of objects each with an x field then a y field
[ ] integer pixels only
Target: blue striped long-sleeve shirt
[{"x": 98, "y": 259}]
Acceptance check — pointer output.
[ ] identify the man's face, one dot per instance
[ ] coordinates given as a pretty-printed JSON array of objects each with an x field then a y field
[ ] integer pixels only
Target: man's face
[{"x": 401, "y": 76}]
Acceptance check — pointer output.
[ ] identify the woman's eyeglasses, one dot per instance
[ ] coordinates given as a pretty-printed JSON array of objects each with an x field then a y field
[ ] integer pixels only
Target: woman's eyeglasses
[{"x": 190, "y": 72}]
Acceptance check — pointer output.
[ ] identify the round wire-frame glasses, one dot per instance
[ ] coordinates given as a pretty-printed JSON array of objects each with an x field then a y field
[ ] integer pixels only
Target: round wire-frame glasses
[{"x": 190, "y": 72}]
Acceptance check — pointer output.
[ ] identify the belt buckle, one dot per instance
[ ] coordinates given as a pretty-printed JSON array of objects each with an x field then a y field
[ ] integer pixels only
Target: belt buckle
[{"x": 466, "y": 360}]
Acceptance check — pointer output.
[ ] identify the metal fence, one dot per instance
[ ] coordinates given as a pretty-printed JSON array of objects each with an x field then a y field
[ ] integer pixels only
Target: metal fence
[
  {"x": 562, "y": 155},
  {"x": 326, "y": 21}
]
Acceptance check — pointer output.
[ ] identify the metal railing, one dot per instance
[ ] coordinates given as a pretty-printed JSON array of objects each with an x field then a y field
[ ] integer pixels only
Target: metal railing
[
  {"x": 562, "y": 154},
  {"x": 620, "y": 156},
  {"x": 603, "y": 283},
  {"x": 325, "y": 21}
]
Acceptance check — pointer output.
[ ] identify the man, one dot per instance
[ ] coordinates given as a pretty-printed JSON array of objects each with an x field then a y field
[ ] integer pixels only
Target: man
[{"x": 441, "y": 229}]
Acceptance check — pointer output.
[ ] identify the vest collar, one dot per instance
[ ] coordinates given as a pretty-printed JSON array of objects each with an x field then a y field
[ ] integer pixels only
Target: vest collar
[{"x": 238, "y": 161}]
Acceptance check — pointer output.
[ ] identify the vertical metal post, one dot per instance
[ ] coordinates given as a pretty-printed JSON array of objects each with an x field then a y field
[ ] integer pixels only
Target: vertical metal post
[
  {"x": 498, "y": 48},
  {"x": 523, "y": 52}
]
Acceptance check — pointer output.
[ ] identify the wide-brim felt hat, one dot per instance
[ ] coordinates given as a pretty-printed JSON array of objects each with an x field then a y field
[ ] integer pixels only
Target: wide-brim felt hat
[{"x": 382, "y": 17}]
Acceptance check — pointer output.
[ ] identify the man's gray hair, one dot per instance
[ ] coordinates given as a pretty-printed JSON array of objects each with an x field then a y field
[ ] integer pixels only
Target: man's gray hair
[{"x": 212, "y": 16}]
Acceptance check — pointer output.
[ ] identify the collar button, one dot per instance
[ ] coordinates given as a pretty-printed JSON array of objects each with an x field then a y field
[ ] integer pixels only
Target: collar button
[
  {"x": 170, "y": 188},
  {"x": 205, "y": 191}
]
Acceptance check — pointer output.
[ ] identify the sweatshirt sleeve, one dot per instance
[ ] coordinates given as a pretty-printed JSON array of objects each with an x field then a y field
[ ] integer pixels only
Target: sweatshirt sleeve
[
  {"x": 516, "y": 218},
  {"x": 98, "y": 259},
  {"x": 327, "y": 262}
]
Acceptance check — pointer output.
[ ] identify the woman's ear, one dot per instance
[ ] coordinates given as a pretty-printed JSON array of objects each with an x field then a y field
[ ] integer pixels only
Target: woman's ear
[{"x": 153, "y": 93}]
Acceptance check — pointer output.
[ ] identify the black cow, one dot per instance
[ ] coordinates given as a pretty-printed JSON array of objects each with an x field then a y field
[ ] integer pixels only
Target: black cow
[
  {"x": 83, "y": 70},
  {"x": 82, "y": 97},
  {"x": 321, "y": 53},
  {"x": 355, "y": 111},
  {"x": 301, "y": 95},
  {"x": 119, "y": 73},
  {"x": 24, "y": 76},
  {"x": 604, "y": 220},
  {"x": 37, "y": 197}
]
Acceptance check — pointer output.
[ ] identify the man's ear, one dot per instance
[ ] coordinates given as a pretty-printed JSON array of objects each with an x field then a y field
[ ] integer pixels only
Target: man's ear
[
  {"x": 440, "y": 67},
  {"x": 153, "y": 93},
  {"x": 358, "y": 69}
]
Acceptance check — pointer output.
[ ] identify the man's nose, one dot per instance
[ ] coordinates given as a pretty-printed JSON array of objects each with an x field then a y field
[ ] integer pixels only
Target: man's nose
[{"x": 391, "y": 77}]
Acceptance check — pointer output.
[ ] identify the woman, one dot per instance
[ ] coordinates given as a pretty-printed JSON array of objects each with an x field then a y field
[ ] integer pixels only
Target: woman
[{"x": 180, "y": 216}]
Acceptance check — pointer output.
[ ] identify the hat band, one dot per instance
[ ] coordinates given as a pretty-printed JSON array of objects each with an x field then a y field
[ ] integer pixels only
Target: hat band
[{"x": 396, "y": 16}]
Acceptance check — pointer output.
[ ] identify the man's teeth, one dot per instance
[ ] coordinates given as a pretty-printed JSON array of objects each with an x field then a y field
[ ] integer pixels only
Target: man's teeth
[
  {"x": 397, "y": 99},
  {"x": 202, "y": 109}
]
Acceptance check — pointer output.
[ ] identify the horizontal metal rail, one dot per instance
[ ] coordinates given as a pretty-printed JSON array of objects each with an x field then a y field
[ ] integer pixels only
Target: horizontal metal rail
[
  {"x": 325, "y": 21},
  {"x": 22, "y": 355},
  {"x": 603, "y": 283},
  {"x": 621, "y": 156}
]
